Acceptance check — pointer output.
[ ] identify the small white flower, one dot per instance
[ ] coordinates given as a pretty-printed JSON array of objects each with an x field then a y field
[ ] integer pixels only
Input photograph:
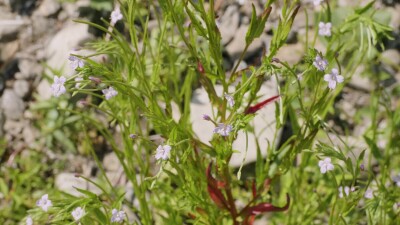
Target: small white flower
[
  {"x": 29, "y": 220},
  {"x": 116, "y": 15},
  {"x": 324, "y": 29},
  {"x": 75, "y": 62},
  {"x": 223, "y": 129},
  {"x": 320, "y": 63},
  {"x": 369, "y": 194},
  {"x": 333, "y": 78},
  {"x": 109, "y": 93},
  {"x": 347, "y": 191},
  {"x": 317, "y": 2},
  {"x": 117, "y": 216},
  {"x": 78, "y": 213},
  {"x": 231, "y": 101},
  {"x": 44, "y": 202},
  {"x": 163, "y": 152},
  {"x": 78, "y": 82},
  {"x": 325, "y": 165},
  {"x": 58, "y": 88}
]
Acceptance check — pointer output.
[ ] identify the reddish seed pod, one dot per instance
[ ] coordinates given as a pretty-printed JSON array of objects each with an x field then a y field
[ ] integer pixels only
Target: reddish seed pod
[{"x": 255, "y": 108}]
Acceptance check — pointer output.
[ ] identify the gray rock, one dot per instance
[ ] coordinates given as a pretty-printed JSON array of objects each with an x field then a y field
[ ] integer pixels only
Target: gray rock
[
  {"x": 228, "y": 23},
  {"x": 263, "y": 123},
  {"x": 30, "y": 134},
  {"x": 395, "y": 18},
  {"x": 63, "y": 43},
  {"x": 67, "y": 182},
  {"x": 111, "y": 162},
  {"x": 358, "y": 81},
  {"x": 291, "y": 53},
  {"x": 21, "y": 88},
  {"x": 40, "y": 26},
  {"x": 12, "y": 104},
  {"x": 14, "y": 127},
  {"x": 391, "y": 57},
  {"x": 47, "y": 8},
  {"x": 10, "y": 25},
  {"x": 8, "y": 50},
  {"x": 44, "y": 89},
  {"x": 237, "y": 45},
  {"x": 28, "y": 69}
]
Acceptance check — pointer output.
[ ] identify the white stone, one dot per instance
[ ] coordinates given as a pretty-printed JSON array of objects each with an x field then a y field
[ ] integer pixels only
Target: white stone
[
  {"x": 263, "y": 123},
  {"x": 63, "y": 44}
]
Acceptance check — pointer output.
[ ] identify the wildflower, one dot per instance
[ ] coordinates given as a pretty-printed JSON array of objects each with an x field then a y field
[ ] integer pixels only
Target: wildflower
[
  {"x": 78, "y": 213},
  {"x": 230, "y": 100},
  {"x": 333, "y": 78},
  {"x": 132, "y": 136},
  {"x": 324, "y": 29},
  {"x": 206, "y": 117},
  {"x": 109, "y": 93},
  {"x": 347, "y": 191},
  {"x": 320, "y": 63},
  {"x": 223, "y": 129},
  {"x": 317, "y": 2},
  {"x": 369, "y": 194},
  {"x": 163, "y": 152},
  {"x": 396, "y": 179},
  {"x": 325, "y": 165},
  {"x": 78, "y": 81},
  {"x": 58, "y": 88},
  {"x": 75, "y": 62},
  {"x": 44, "y": 202},
  {"x": 116, "y": 15},
  {"x": 117, "y": 216},
  {"x": 29, "y": 220}
]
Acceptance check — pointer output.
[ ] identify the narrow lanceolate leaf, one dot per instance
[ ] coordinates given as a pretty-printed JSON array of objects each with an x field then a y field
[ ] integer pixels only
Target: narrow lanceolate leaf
[
  {"x": 257, "y": 24},
  {"x": 258, "y": 106},
  {"x": 214, "y": 191}
]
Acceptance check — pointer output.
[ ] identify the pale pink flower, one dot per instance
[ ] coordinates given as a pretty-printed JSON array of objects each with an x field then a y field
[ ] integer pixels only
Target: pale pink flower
[
  {"x": 333, "y": 78},
  {"x": 231, "y": 101},
  {"x": 58, "y": 88},
  {"x": 116, "y": 15},
  {"x": 320, "y": 63},
  {"x": 75, "y": 62},
  {"x": 325, "y": 165},
  {"x": 369, "y": 194},
  {"x": 78, "y": 213},
  {"x": 44, "y": 202},
  {"x": 223, "y": 129},
  {"x": 163, "y": 152},
  {"x": 324, "y": 29},
  {"x": 109, "y": 93},
  {"x": 346, "y": 189},
  {"x": 117, "y": 216},
  {"x": 29, "y": 220}
]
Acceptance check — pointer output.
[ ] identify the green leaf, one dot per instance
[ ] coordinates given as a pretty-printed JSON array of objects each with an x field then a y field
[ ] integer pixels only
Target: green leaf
[
  {"x": 374, "y": 148},
  {"x": 257, "y": 25},
  {"x": 365, "y": 8}
]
